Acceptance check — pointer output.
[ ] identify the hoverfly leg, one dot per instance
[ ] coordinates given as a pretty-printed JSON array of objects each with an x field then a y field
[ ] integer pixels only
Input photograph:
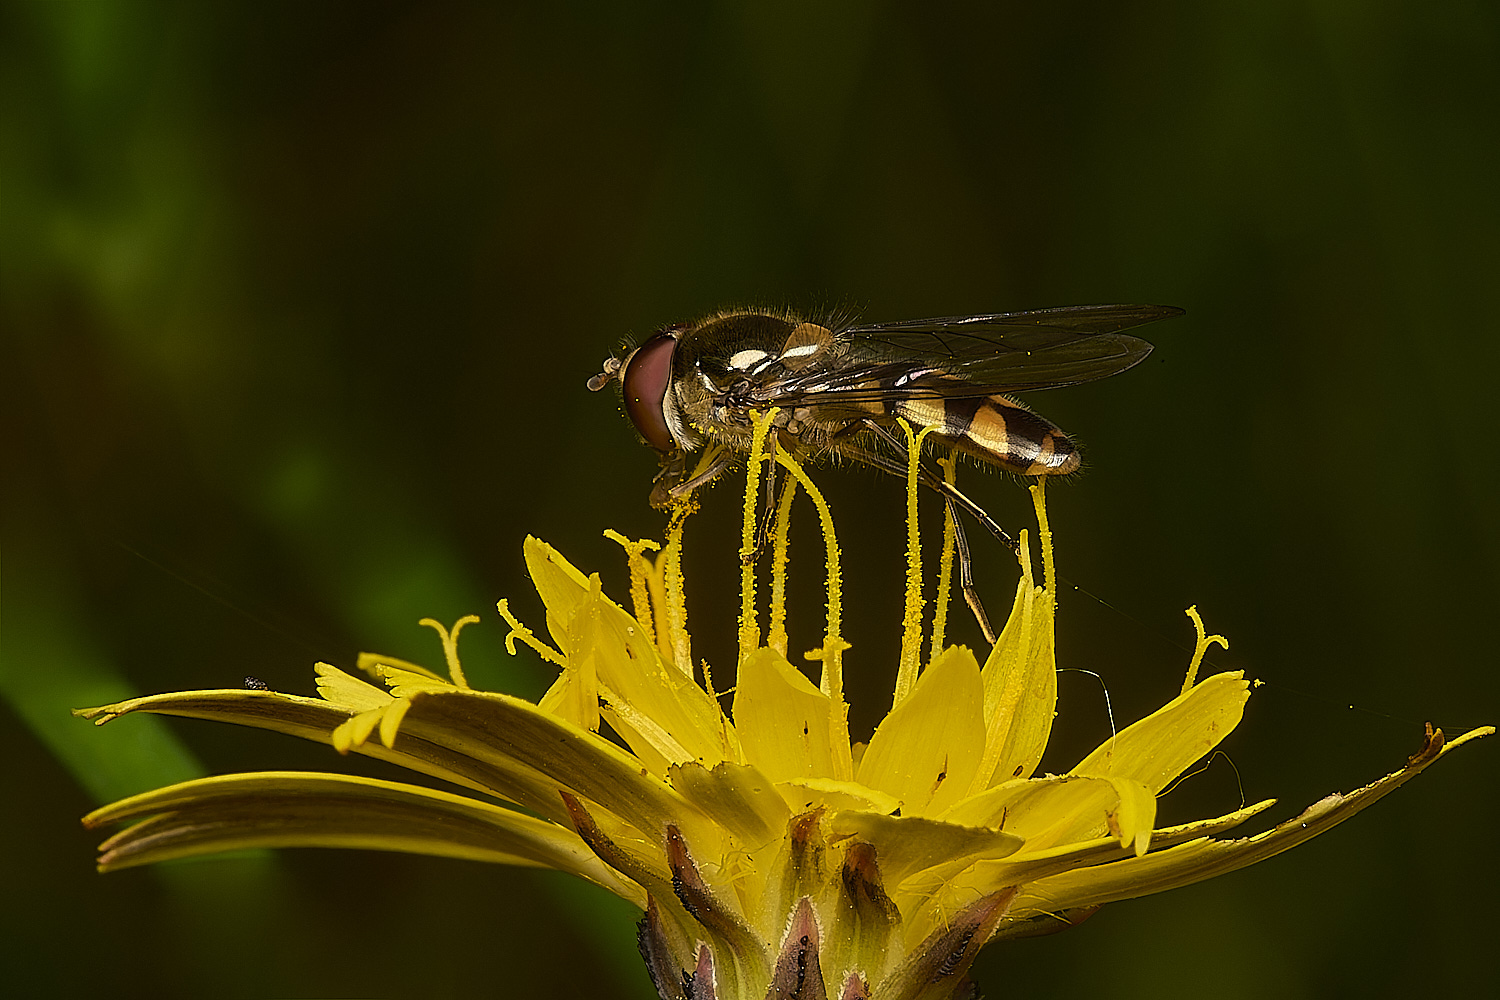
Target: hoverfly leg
[
  {"x": 978, "y": 513},
  {"x": 705, "y": 474},
  {"x": 933, "y": 482},
  {"x": 966, "y": 574},
  {"x": 955, "y": 500},
  {"x": 770, "y": 499}
]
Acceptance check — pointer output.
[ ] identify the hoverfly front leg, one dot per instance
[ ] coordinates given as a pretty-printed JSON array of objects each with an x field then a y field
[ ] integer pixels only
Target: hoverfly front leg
[{"x": 673, "y": 483}]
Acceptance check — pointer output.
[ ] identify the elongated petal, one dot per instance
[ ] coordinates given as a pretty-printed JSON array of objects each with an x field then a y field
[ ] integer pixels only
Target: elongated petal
[
  {"x": 782, "y": 719},
  {"x": 575, "y": 695},
  {"x": 318, "y": 720},
  {"x": 1043, "y": 811},
  {"x": 302, "y": 809},
  {"x": 1167, "y": 742},
  {"x": 927, "y": 749},
  {"x": 1020, "y": 689},
  {"x": 929, "y": 897},
  {"x": 347, "y": 691},
  {"x": 1202, "y": 859},
  {"x": 509, "y": 732},
  {"x": 651, "y": 742},
  {"x": 1169, "y": 835}
]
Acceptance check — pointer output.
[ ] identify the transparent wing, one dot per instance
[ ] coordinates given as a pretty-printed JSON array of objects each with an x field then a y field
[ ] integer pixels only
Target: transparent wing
[{"x": 967, "y": 356}]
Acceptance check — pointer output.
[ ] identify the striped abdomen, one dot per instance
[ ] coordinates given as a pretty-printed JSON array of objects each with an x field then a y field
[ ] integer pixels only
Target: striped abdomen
[{"x": 996, "y": 430}]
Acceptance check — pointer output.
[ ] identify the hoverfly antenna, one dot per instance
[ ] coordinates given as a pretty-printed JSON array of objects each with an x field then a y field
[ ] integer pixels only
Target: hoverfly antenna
[{"x": 611, "y": 369}]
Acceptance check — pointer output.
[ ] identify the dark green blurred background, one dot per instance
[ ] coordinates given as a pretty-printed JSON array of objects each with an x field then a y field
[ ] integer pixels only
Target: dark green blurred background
[{"x": 298, "y": 304}]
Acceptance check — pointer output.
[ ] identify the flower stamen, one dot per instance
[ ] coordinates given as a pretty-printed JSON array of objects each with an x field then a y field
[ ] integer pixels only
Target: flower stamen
[
  {"x": 1200, "y": 648},
  {"x": 749, "y": 614},
  {"x": 945, "y": 566},
  {"x": 777, "y": 637},
  {"x": 450, "y": 644},
  {"x": 678, "y": 643},
  {"x": 640, "y": 573},
  {"x": 519, "y": 631},
  {"x": 1044, "y": 535},
  {"x": 832, "y": 651},
  {"x": 911, "y": 620}
]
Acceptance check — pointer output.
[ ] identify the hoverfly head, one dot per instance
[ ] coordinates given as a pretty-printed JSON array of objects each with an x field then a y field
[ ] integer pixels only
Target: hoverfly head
[{"x": 644, "y": 377}]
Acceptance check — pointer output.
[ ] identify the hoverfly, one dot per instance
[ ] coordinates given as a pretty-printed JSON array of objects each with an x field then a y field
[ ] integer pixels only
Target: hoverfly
[{"x": 839, "y": 390}]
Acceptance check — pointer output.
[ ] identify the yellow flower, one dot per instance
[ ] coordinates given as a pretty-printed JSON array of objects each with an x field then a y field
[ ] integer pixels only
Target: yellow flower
[{"x": 771, "y": 856}]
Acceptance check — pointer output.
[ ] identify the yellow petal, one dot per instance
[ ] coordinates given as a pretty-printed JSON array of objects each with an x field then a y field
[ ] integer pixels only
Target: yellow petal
[
  {"x": 358, "y": 729},
  {"x": 319, "y": 720},
  {"x": 384, "y": 668},
  {"x": 1167, "y": 742},
  {"x": 348, "y": 691},
  {"x": 575, "y": 695},
  {"x": 511, "y": 734},
  {"x": 585, "y": 623},
  {"x": 1062, "y": 810},
  {"x": 651, "y": 742},
  {"x": 929, "y": 896},
  {"x": 1208, "y": 827},
  {"x": 832, "y": 794},
  {"x": 561, "y": 587},
  {"x": 738, "y": 796},
  {"x": 300, "y": 809},
  {"x": 1020, "y": 689},
  {"x": 782, "y": 719},
  {"x": 1202, "y": 859},
  {"x": 907, "y": 844},
  {"x": 926, "y": 751},
  {"x": 1133, "y": 817}
]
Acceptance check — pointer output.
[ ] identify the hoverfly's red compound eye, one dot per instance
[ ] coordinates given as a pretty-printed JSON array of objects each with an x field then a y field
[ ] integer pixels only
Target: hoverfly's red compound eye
[{"x": 645, "y": 381}]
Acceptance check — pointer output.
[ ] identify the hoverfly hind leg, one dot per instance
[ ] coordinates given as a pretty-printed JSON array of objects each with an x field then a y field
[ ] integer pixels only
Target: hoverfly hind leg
[
  {"x": 955, "y": 500},
  {"x": 966, "y": 575},
  {"x": 932, "y": 481}
]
